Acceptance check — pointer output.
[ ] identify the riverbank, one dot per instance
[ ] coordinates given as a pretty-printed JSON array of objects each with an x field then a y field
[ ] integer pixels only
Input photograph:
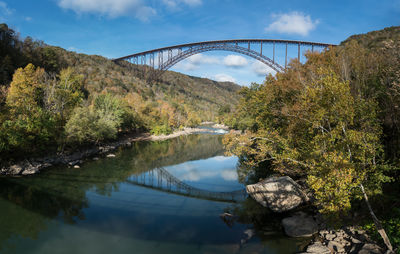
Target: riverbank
[
  {"x": 283, "y": 194},
  {"x": 30, "y": 166}
]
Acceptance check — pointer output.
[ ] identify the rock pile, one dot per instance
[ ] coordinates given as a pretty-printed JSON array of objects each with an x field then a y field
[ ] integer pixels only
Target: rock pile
[{"x": 346, "y": 240}]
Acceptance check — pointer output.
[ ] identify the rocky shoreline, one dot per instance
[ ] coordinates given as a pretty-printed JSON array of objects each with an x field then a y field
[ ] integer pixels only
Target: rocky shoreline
[
  {"x": 282, "y": 194},
  {"x": 32, "y": 166}
]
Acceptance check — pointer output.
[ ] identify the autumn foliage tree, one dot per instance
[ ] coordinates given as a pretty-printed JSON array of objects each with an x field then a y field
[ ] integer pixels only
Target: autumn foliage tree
[
  {"x": 29, "y": 125},
  {"x": 319, "y": 121}
]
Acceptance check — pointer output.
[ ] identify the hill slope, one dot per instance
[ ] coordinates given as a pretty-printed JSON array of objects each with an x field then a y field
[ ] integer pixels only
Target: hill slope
[{"x": 51, "y": 96}]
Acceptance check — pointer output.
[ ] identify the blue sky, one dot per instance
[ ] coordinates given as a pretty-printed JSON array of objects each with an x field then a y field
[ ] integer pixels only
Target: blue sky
[{"x": 114, "y": 28}]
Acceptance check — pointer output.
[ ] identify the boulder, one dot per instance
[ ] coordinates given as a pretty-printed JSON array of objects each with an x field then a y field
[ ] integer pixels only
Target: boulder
[
  {"x": 280, "y": 194},
  {"x": 300, "y": 225}
]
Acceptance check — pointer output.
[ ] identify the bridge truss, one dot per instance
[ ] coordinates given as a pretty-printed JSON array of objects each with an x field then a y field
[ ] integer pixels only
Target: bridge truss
[{"x": 263, "y": 50}]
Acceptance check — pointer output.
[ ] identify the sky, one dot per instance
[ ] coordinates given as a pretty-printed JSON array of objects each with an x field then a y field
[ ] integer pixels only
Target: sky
[{"x": 115, "y": 28}]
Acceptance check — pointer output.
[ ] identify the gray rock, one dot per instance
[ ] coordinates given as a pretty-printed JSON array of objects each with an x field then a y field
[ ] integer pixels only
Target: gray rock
[
  {"x": 370, "y": 248},
  {"x": 15, "y": 169},
  {"x": 300, "y": 225},
  {"x": 336, "y": 246},
  {"x": 330, "y": 237},
  {"x": 96, "y": 158},
  {"x": 73, "y": 163},
  {"x": 319, "y": 248},
  {"x": 323, "y": 233},
  {"x": 30, "y": 170},
  {"x": 280, "y": 194}
]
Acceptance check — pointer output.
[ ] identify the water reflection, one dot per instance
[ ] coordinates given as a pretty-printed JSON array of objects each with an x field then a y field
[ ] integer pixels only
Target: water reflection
[
  {"x": 215, "y": 174},
  {"x": 96, "y": 209}
]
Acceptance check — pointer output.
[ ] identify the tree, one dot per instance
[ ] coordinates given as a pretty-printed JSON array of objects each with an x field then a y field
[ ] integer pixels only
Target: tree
[
  {"x": 29, "y": 126},
  {"x": 64, "y": 94},
  {"x": 318, "y": 130}
]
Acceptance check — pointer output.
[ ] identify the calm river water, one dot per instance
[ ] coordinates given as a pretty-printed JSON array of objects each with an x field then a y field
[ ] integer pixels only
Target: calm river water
[{"x": 156, "y": 197}]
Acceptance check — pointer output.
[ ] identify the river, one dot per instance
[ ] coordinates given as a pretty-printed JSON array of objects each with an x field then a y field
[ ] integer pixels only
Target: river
[{"x": 155, "y": 197}]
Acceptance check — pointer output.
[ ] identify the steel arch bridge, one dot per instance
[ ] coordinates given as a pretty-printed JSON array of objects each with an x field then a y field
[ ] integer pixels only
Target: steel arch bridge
[{"x": 164, "y": 58}]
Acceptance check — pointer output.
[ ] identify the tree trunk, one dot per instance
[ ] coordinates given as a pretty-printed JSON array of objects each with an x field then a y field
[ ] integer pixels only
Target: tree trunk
[{"x": 378, "y": 224}]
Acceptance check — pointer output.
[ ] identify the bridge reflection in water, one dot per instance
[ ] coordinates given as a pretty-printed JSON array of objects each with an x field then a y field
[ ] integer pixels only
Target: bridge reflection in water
[{"x": 161, "y": 179}]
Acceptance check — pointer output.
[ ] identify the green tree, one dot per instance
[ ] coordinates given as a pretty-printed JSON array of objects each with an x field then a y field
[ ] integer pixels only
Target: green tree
[{"x": 65, "y": 93}]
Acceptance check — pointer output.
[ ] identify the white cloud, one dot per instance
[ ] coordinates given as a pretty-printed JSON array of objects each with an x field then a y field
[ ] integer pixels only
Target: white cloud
[
  {"x": 111, "y": 8},
  {"x": 292, "y": 23},
  {"x": 235, "y": 61},
  {"x": 221, "y": 77},
  {"x": 261, "y": 69},
  {"x": 28, "y": 19},
  {"x": 4, "y": 11},
  {"x": 222, "y": 158},
  {"x": 175, "y": 3},
  {"x": 229, "y": 175},
  {"x": 72, "y": 49},
  {"x": 193, "y": 62}
]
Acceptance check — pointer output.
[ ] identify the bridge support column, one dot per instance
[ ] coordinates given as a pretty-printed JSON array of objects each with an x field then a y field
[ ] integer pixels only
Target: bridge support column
[
  {"x": 286, "y": 55},
  {"x": 273, "y": 57},
  {"x": 298, "y": 52}
]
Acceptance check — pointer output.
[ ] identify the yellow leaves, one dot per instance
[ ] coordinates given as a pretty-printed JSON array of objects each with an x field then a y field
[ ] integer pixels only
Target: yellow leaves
[
  {"x": 26, "y": 89},
  {"x": 313, "y": 125},
  {"x": 333, "y": 190}
]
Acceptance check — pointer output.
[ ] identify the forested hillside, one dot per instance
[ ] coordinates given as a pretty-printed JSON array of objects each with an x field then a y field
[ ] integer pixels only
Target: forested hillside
[
  {"x": 333, "y": 122},
  {"x": 51, "y": 98}
]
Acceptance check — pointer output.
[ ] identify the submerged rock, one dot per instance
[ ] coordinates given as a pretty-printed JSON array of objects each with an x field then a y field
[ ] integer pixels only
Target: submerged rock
[
  {"x": 279, "y": 194},
  {"x": 300, "y": 225}
]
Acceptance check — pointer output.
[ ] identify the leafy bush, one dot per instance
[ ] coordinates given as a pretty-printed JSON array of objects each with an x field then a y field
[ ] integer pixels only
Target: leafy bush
[
  {"x": 391, "y": 226},
  {"x": 161, "y": 129}
]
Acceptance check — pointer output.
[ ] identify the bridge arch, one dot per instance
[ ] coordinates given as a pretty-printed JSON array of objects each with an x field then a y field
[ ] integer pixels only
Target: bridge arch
[
  {"x": 164, "y": 58},
  {"x": 160, "y": 179},
  {"x": 235, "y": 48}
]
